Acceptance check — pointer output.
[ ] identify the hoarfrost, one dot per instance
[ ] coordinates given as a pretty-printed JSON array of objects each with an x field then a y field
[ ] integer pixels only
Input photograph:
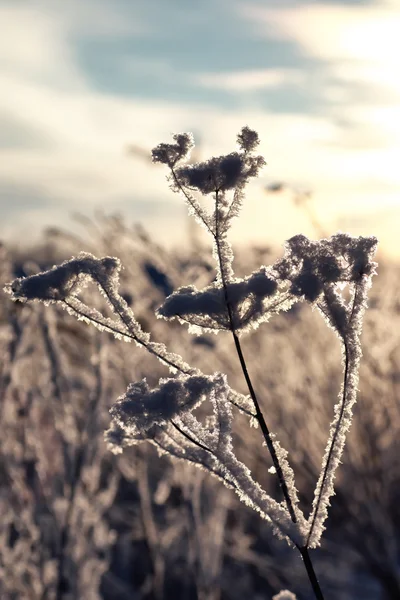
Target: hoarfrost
[
  {"x": 141, "y": 407},
  {"x": 253, "y": 300},
  {"x": 164, "y": 416},
  {"x": 284, "y": 595}
]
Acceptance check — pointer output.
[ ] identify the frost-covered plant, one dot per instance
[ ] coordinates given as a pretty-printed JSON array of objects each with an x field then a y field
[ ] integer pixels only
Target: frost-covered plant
[
  {"x": 284, "y": 595},
  {"x": 169, "y": 415}
]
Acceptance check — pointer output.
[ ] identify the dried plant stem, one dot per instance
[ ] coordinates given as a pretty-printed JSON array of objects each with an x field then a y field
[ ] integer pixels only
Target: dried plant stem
[
  {"x": 189, "y": 437},
  {"x": 264, "y": 428},
  {"x": 130, "y": 333},
  {"x": 259, "y": 414},
  {"x": 150, "y": 528},
  {"x": 261, "y": 420},
  {"x": 311, "y": 573},
  {"x": 333, "y": 443}
]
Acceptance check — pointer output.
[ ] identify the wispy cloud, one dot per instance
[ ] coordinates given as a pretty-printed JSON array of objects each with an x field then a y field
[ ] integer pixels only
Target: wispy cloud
[
  {"x": 354, "y": 45},
  {"x": 33, "y": 47},
  {"x": 257, "y": 79},
  {"x": 359, "y": 51}
]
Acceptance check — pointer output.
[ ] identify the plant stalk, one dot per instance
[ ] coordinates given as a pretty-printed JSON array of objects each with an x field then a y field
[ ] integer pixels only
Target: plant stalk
[
  {"x": 260, "y": 417},
  {"x": 311, "y": 573}
]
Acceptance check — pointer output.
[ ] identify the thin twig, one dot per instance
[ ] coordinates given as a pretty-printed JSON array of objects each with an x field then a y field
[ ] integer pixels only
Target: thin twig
[
  {"x": 191, "y": 202},
  {"x": 337, "y": 428},
  {"x": 189, "y": 437},
  {"x": 334, "y": 438},
  {"x": 135, "y": 338}
]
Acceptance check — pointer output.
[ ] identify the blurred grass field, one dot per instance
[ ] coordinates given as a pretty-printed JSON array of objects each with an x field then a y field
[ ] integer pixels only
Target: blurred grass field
[{"x": 79, "y": 523}]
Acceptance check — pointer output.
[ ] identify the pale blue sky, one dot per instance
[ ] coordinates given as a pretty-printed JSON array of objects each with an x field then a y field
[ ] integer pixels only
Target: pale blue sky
[{"x": 83, "y": 79}]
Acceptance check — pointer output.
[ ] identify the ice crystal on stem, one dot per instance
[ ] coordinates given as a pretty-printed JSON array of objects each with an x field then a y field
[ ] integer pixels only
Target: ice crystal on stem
[
  {"x": 253, "y": 300},
  {"x": 64, "y": 280},
  {"x": 141, "y": 407}
]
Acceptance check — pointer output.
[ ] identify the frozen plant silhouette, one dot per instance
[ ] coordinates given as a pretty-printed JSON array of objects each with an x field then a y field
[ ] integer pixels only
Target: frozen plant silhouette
[{"x": 311, "y": 271}]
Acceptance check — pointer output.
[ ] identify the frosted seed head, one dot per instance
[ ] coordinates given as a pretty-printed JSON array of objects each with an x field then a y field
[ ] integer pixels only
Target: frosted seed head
[
  {"x": 64, "y": 280},
  {"x": 299, "y": 245},
  {"x": 311, "y": 266},
  {"x": 117, "y": 439},
  {"x": 205, "y": 310},
  {"x": 358, "y": 251},
  {"x": 56, "y": 284},
  {"x": 221, "y": 173},
  {"x": 308, "y": 285},
  {"x": 110, "y": 265},
  {"x": 248, "y": 139},
  {"x": 261, "y": 284},
  {"x": 141, "y": 407},
  {"x": 201, "y": 176},
  {"x": 361, "y": 253},
  {"x": 330, "y": 269},
  {"x": 231, "y": 169},
  {"x": 188, "y": 301},
  {"x": 171, "y": 154},
  {"x": 185, "y": 142}
]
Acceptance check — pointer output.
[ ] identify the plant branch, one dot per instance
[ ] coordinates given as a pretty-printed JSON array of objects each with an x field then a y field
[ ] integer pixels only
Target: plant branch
[
  {"x": 260, "y": 417},
  {"x": 311, "y": 573},
  {"x": 347, "y": 365},
  {"x": 132, "y": 336},
  {"x": 259, "y": 414},
  {"x": 129, "y": 333},
  {"x": 192, "y": 202},
  {"x": 189, "y": 437},
  {"x": 332, "y": 446}
]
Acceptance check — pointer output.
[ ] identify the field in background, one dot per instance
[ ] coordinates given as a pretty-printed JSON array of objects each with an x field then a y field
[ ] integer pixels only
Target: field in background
[{"x": 79, "y": 523}]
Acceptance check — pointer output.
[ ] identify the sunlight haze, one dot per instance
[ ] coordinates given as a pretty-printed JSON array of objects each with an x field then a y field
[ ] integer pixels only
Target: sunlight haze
[{"x": 84, "y": 81}]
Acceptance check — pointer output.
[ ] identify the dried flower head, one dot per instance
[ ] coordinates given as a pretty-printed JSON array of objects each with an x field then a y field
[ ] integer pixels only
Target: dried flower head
[
  {"x": 247, "y": 139},
  {"x": 311, "y": 265},
  {"x": 64, "y": 280},
  {"x": 252, "y": 300},
  {"x": 141, "y": 407},
  {"x": 117, "y": 438},
  {"x": 221, "y": 173},
  {"x": 171, "y": 154}
]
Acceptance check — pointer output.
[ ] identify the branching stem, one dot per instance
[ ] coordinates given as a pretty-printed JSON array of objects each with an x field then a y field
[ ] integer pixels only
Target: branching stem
[
  {"x": 131, "y": 335},
  {"x": 259, "y": 415}
]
